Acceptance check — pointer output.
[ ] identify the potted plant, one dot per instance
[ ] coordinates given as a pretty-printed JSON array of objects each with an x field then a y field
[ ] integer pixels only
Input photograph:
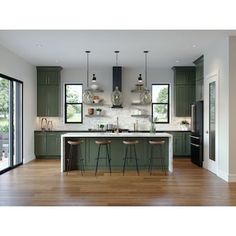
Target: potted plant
[
  {"x": 184, "y": 124},
  {"x": 99, "y": 111}
]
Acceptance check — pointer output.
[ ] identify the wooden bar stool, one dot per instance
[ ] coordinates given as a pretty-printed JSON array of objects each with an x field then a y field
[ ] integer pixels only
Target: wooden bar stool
[
  {"x": 129, "y": 144},
  {"x": 73, "y": 145},
  {"x": 159, "y": 144},
  {"x": 106, "y": 144}
]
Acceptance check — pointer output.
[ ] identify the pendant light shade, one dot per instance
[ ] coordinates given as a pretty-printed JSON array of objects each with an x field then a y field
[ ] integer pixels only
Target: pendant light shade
[
  {"x": 140, "y": 80},
  {"x": 87, "y": 95},
  {"x": 145, "y": 95}
]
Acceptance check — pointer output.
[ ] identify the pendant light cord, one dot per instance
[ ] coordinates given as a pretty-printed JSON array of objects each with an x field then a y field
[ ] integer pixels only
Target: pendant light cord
[
  {"x": 87, "y": 68},
  {"x": 146, "y": 52},
  {"x": 116, "y": 52}
]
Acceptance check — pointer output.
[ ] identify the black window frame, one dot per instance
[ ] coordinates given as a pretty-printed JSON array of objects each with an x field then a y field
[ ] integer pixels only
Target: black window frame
[
  {"x": 69, "y": 103},
  {"x": 168, "y": 105}
]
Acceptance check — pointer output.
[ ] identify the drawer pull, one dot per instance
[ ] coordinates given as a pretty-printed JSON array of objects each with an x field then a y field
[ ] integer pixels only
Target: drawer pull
[
  {"x": 196, "y": 137},
  {"x": 196, "y": 145}
]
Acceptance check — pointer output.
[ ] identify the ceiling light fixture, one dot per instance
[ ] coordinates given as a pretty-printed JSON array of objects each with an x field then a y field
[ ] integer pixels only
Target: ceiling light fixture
[
  {"x": 87, "y": 95},
  {"x": 145, "y": 95}
]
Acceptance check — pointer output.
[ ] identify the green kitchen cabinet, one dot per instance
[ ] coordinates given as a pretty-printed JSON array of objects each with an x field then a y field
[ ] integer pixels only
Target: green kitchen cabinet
[
  {"x": 47, "y": 144},
  {"x": 184, "y": 90},
  {"x": 199, "y": 78},
  {"x": 48, "y": 91},
  {"x": 40, "y": 144},
  {"x": 181, "y": 144}
]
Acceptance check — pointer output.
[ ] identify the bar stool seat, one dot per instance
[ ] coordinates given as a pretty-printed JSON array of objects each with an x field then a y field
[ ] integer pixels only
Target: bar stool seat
[
  {"x": 73, "y": 144},
  {"x": 107, "y": 145},
  {"x": 103, "y": 142},
  {"x": 156, "y": 143},
  {"x": 129, "y": 144}
]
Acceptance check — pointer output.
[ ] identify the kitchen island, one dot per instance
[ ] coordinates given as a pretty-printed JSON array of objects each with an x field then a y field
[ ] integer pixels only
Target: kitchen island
[{"x": 89, "y": 149}]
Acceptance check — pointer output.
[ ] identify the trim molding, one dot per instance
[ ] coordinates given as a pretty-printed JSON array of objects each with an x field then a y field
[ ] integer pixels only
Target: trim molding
[{"x": 223, "y": 175}]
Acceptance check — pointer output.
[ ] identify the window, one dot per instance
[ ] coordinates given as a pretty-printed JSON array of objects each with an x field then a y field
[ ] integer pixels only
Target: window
[
  {"x": 73, "y": 103},
  {"x": 160, "y": 103},
  {"x": 11, "y": 123}
]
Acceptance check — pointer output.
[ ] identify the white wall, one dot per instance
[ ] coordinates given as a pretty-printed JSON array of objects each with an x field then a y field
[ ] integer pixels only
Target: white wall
[
  {"x": 129, "y": 78},
  {"x": 232, "y": 108},
  {"x": 216, "y": 59},
  {"x": 14, "y": 66}
]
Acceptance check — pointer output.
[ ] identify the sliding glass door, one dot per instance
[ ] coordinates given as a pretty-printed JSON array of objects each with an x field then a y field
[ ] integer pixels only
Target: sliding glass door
[{"x": 10, "y": 123}]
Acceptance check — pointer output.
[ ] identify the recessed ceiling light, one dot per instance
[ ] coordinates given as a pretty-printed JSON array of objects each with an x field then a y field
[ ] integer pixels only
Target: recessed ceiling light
[
  {"x": 194, "y": 45},
  {"x": 177, "y": 61}
]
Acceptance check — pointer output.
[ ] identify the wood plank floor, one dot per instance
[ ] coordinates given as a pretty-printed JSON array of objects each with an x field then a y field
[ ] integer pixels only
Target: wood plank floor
[{"x": 40, "y": 183}]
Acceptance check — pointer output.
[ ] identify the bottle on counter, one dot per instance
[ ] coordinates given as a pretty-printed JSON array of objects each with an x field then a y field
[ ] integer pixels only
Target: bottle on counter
[
  {"x": 136, "y": 125},
  {"x": 152, "y": 128}
]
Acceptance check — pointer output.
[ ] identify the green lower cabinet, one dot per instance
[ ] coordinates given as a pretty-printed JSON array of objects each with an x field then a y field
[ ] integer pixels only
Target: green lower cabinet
[
  {"x": 47, "y": 144},
  {"x": 117, "y": 152},
  {"x": 181, "y": 144},
  {"x": 40, "y": 144}
]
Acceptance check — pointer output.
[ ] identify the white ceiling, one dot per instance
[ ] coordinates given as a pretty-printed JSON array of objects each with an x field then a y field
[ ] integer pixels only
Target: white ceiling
[{"x": 67, "y": 47}]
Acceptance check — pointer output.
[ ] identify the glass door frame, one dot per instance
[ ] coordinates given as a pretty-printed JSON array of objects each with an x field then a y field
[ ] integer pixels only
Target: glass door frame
[{"x": 11, "y": 136}]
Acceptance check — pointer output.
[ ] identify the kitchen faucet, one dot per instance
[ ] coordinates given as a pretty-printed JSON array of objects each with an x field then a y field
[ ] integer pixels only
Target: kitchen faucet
[{"x": 117, "y": 124}]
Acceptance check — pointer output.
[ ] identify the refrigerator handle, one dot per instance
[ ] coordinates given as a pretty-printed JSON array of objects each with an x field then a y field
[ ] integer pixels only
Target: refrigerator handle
[{"x": 192, "y": 118}]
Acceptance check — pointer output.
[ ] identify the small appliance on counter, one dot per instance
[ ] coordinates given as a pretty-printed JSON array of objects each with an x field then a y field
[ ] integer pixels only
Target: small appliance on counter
[{"x": 196, "y": 136}]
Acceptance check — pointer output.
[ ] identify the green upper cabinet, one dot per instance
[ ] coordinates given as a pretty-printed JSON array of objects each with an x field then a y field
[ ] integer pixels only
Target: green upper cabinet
[
  {"x": 184, "y": 90},
  {"x": 48, "y": 91},
  {"x": 199, "y": 78}
]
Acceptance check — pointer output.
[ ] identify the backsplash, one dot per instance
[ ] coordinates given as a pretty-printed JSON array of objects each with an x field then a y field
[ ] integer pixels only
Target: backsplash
[{"x": 125, "y": 121}]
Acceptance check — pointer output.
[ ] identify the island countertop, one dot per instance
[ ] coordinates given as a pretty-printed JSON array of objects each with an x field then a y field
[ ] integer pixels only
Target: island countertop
[{"x": 88, "y": 135}]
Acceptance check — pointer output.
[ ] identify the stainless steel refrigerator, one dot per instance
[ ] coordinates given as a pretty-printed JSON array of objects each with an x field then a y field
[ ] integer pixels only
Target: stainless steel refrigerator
[{"x": 196, "y": 136}]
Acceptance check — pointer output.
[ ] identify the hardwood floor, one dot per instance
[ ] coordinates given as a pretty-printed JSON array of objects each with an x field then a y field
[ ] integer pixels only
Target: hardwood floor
[{"x": 40, "y": 183}]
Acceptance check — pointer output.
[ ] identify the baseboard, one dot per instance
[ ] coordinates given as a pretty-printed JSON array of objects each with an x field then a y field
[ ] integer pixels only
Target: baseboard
[
  {"x": 28, "y": 159},
  {"x": 232, "y": 177},
  {"x": 223, "y": 175}
]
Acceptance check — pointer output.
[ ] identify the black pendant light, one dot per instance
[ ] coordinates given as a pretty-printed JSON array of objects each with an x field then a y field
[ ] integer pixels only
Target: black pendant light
[{"x": 140, "y": 80}]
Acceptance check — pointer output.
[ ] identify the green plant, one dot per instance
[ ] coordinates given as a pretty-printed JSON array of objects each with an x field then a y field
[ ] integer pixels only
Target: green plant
[{"x": 99, "y": 109}]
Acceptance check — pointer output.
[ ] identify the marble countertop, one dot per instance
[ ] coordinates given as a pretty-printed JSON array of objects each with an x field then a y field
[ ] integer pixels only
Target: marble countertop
[{"x": 117, "y": 135}]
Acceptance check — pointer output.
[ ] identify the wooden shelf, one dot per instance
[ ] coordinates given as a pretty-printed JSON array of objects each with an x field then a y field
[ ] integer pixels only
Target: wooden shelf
[
  {"x": 136, "y": 90},
  {"x": 96, "y": 90},
  {"x": 140, "y": 116},
  {"x": 95, "y": 116},
  {"x": 139, "y": 104},
  {"x": 94, "y": 104}
]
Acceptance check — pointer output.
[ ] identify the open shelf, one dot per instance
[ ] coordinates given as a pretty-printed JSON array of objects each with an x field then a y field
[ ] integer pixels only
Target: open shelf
[
  {"x": 94, "y": 104},
  {"x": 140, "y": 116},
  {"x": 96, "y": 90},
  {"x": 139, "y": 104},
  {"x": 94, "y": 115}
]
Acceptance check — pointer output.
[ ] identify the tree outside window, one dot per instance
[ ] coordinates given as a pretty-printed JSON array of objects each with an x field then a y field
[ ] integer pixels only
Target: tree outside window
[
  {"x": 73, "y": 103},
  {"x": 160, "y": 103}
]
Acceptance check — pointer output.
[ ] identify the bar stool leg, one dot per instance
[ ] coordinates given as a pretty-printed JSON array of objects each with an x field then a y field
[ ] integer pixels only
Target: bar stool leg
[
  {"x": 108, "y": 157},
  {"x": 151, "y": 160},
  {"x": 81, "y": 163},
  {"x": 97, "y": 159},
  {"x": 126, "y": 152},
  {"x": 136, "y": 159},
  {"x": 162, "y": 161},
  {"x": 69, "y": 161}
]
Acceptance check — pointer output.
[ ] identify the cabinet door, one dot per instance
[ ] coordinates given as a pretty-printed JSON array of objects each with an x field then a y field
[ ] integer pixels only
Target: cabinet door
[
  {"x": 42, "y": 100},
  {"x": 52, "y": 100},
  {"x": 187, "y": 144},
  {"x": 181, "y": 95},
  {"x": 53, "y": 77},
  {"x": 178, "y": 144},
  {"x": 190, "y": 98},
  {"x": 53, "y": 144},
  {"x": 41, "y": 77},
  {"x": 40, "y": 144},
  {"x": 199, "y": 90}
]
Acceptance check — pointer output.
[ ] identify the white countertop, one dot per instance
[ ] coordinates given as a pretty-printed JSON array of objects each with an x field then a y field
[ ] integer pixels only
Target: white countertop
[{"x": 117, "y": 135}]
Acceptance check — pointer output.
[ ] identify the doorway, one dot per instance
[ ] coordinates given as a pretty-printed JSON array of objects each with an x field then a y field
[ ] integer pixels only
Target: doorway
[
  {"x": 11, "y": 123},
  {"x": 211, "y": 123}
]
